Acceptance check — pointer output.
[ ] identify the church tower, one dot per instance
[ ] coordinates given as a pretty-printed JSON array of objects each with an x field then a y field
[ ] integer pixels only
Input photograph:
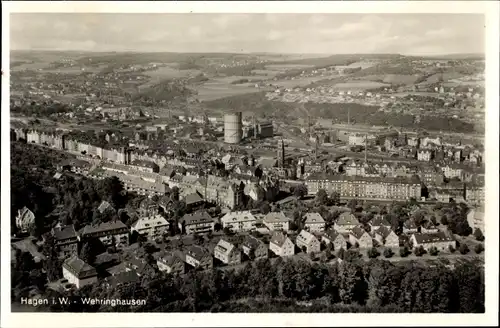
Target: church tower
[{"x": 281, "y": 153}]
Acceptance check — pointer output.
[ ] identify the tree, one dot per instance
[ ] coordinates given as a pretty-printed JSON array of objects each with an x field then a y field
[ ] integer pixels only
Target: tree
[
  {"x": 341, "y": 253},
  {"x": 433, "y": 251},
  {"x": 478, "y": 234},
  {"x": 373, "y": 253},
  {"x": 88, "y": 254},
  {"x": 419, "y": 251},
  {"x": 218, "y": 227},
  {"x": 353, "y": 204},
  {"x": 451, "y": 249},
  {"x": 388, "y": 253},
  {"x": 463, "y": 249},
  {"x": 479, "y": 248},
  {"x": 265, "y": 207},
  {"x": 300, "y": 191},
  {"x": 335, "y": 198},
  {"x": 321, "y": 197},
  {"x": 444, "y": 220},
  {"x": 403, "y": 251}
]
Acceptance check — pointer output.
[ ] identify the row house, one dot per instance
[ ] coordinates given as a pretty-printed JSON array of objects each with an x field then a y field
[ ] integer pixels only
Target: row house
[
  {"x": 281, "y": 245},
  {"x": 306, "y": 240},
  {"x": 358, "y": 236},
  {"x": 382, "y": 188},
  {"x": 386, "y": 237},
  {"x": 439, "y": 240},
  {"x": 152, "y": 227},
  {"x": 276, "y": 221},
  {"x": 171, "y": 263},
  {"x": 239, "y": 221},
  {"x": 335, "y": 238},
  {"x": 254, "y": 248},
  {"x": 145, "y": 166},
  {"x": 314, "y": 222},
  {"x": 66, "y": 240},
  {"x": 199, "y": 258},
  {"x": 227, "y": 253},
  {"x": 109, "y": 233},
  {"x": 198, "y": 222}
]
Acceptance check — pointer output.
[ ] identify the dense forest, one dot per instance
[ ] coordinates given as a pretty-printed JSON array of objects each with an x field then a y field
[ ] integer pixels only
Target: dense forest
[{"x": 298, "y": 286}]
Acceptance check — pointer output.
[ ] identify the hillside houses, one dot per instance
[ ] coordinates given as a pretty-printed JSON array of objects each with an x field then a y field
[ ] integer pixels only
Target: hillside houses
[
  {"x": 199, "y": 258},
  {"x": 254, "y": 248},
  {"x": 171, "y": 263},
  {"x": 335, "y": 238},
  {"x": 276, "y": 221},
  {"x": 386, "y": 237},
  {"x": 79, "y": 273},
  {"x": 346, "y": 222},
  {"x": 314, "y": 222},
  {"x": 239, "y": 221},
  {"x": 281, "y": 245},
  {"x": 198, "y": 222},
  {"x": 308, "y": 242},
  {"x": 152, "y": 227},
  {"x": 379, "y": 221},
  {"x": 359, "y": 237},
  {"x": 227, "y": 253},
  {"x": 109, "y": 233},
  {"x": 66, "y": 240},
  {"x": 427, "y": 240}
]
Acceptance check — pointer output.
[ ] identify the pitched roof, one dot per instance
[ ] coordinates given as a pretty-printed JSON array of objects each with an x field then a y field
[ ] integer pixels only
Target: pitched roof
[
  {"x": 278, "y": 238},
  {"x": 170, "y": 259},
  {"x": 238, "y": 216},
  {"x": 379, "y": 220},
  {"x": 64, "y": 232},
  {"x": 347, "y": 218},
  {"x": 150, "y": 222},
  {"x": 197, "y": 252},
  {"x": 313, "y": 218},
  {"x": 252, "y": 242},
  {"x": 105, "y": 226},
  {"x": 144, "y": 163},
  {"x": 332, "y": 234},
  {"x": 104, "y": 206},
  {"x": 197, "y": 217},
  {"x": 122, "y": 278},
  {"x": 358, "y": 232},
  {"x": 224, "y": 246},
  {"x": 410, "y": 224},
  {"x": 338, "y": 177},
  {"x": 305, "y": 237},
  {"x": 273, "y": 217},
  {"x": 78, "y": 266},
  {"x": 423, "y": 238},
  {"x": 193, "y": 198},
  {"x": 383, "y": 231}
]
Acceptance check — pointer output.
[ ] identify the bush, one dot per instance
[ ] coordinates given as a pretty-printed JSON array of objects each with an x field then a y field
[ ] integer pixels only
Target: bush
[
  {"x": 479, "y": 235},
  {"x": 403, "y": 251},
  {"x": 433, "y": 251},
  {"x": 373, "y": 253},
  {"x": 388, "y": 253},
  {"x": 419, "y": 251},
  {"x": 463, "y": 249},
  {"x": 479, "y": 248}
]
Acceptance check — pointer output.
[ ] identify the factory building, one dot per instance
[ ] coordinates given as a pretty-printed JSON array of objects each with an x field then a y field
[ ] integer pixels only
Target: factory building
[{"x": 233, "y": 128}]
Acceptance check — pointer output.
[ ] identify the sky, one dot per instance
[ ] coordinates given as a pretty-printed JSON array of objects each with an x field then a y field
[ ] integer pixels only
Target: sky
[{"x": 413, "y": 34}]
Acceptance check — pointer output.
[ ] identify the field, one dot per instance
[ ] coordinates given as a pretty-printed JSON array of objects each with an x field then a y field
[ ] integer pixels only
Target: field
[
  {"x": 166, "y": 73},
  {"x": 284, "y": 67},
  {"x": 392, "y": 78},
  {"x": 299, "y": 81},
  {"x": 217, "y": 88},
  {"x": 358, "y": 85}
]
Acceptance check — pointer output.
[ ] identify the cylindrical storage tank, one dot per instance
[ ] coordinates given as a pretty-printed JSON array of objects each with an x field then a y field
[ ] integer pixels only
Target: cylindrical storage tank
[{"x": 233, "y": 128}]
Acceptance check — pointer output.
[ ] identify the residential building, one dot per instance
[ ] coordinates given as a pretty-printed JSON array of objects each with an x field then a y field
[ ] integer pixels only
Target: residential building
[
  {"x": 358, "y": 236},
  {"x": 379, "y": 221},
  {"x": 474, "y": 193},
  {"x": 440, "y": 240},
  {"x": 199, "y": 258},
  {"x": 239, "y": 221},
  {"x": 424, "y": 155},
  {"x": 475, "y": 218},
  {"x": 376, "y": 188},
  {"x": 145, "y": 166},
  {"x": 409, "y": 226},
  {"x": 194, "y": 200},
  {"x": 430, "y": 175},
  {"x": 333, "y": 237},
  {"x": 66, "y": 240},
  {"x": 79, "y": 273},
  {"x": 25, "y": 220},
  {"x": 345, "y": 222},
  {"x": 139, "y": 265},
  {"x": 428, "y": 227},
  {"x": 109, "y": 233},
  {"x": 453, "y": 171},
  {"x": 152, "y": 227},
  {"x": 171, "y": 263},
  {"x": 281, "y": 245},
  {"x": 198, "y": 222},
  {"x": 276, "y": 221},
  {"x": 386, "y": 237},
  {"x": 227, "y": 253},
  {"x": 254, "y": 248},
  {"x": 314, "y": 222},
  {"x": 306, "y": 240}
]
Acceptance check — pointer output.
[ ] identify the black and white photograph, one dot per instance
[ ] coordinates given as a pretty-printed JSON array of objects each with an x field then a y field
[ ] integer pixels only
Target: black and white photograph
[{"x": 249, "y": 162}]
